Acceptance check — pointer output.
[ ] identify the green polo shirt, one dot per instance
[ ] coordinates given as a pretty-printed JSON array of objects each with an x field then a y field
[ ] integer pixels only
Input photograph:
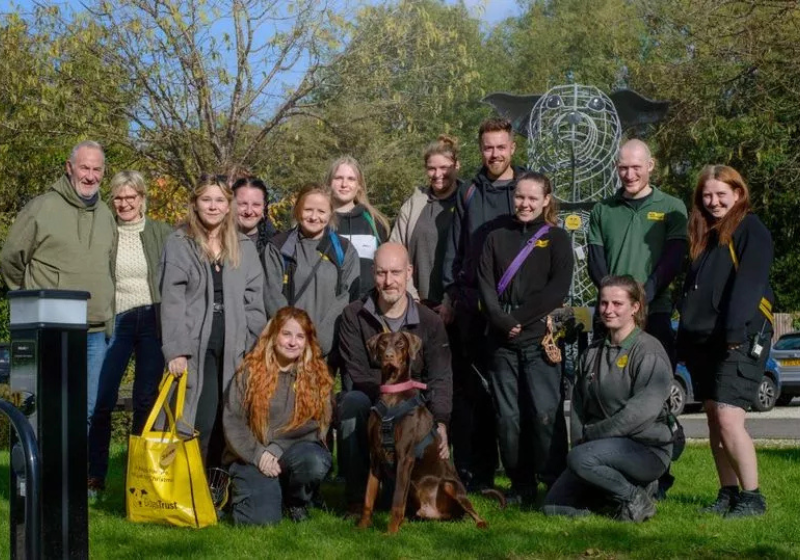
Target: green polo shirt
[{"x": 633, "y": 239}]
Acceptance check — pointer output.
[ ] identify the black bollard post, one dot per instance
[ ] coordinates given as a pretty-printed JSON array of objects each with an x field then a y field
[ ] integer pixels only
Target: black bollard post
[{"x": 48, "y": 383}]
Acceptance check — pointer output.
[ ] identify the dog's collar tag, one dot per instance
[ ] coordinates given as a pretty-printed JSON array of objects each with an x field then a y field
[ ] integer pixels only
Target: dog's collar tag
[{"x": 405, "y": 386}]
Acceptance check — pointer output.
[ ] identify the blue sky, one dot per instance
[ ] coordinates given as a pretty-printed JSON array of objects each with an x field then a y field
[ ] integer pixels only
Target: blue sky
[{"x": 493, "y": 11}]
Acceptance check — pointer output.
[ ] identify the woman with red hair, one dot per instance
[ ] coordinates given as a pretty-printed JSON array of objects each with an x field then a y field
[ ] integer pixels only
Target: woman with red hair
[
  {"x": 725, "y": 329},
  {"x": 276, "y": 415}
]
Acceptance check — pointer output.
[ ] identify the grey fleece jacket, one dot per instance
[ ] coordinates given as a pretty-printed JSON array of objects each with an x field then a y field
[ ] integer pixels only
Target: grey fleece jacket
[
  {"x": 187, "y": 295},
  {"x": 319, "y": 300},
  {"x": 242, "y": 443},
  {"x": 626, "y": 397}
]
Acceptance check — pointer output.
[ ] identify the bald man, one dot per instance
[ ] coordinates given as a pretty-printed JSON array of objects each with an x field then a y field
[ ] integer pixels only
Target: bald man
[
  {"x": 387, "y": 307},
  {"x": 641, "y": 231}
]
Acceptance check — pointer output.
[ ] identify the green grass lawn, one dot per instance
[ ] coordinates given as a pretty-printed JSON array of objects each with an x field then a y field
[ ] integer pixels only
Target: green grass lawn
[{"x": 677, "y": 531}]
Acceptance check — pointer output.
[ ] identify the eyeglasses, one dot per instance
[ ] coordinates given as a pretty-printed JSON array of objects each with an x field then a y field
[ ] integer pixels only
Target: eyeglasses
[{"x": 125, "y": 199}]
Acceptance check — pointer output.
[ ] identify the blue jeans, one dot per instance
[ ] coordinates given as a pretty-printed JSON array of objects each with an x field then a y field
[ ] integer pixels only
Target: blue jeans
[
  {"x": 257, "y": 499},
  {"x": 135, "y": 332},
  {"x": 96, "y": 344}
]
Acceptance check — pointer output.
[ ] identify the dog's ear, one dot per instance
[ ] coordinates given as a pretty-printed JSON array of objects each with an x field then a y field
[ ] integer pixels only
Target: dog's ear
[
  {"x": 414, "y": 344},
  {"x": 372, "y": 347}
]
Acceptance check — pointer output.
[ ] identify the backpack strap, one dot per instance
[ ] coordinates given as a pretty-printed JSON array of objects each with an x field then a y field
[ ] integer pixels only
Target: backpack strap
[
  {"x": 764, "y": 305},
  {"x": 371, "y": 221},
  {"x": 469, "y": 195},
  {"x": 337, "y": 247}
]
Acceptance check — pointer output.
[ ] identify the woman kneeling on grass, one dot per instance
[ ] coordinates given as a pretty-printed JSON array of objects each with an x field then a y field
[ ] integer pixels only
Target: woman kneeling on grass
[
  {"x": 276, "y": 416},
  {"x": 621, "y": 440}
]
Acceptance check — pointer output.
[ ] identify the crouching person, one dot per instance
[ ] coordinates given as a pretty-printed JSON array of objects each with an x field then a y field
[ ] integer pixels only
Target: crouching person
[
  {"x": 276, "y": 415},
  {"x": 622, "y": 442}
]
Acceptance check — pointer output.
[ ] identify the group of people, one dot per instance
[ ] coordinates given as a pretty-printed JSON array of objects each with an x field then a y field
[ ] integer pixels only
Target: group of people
[{"x": 261, "y": 322}]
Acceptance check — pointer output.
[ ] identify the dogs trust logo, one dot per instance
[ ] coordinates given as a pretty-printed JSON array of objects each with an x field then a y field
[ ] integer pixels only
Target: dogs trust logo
[{"x": 143, "y": 501}]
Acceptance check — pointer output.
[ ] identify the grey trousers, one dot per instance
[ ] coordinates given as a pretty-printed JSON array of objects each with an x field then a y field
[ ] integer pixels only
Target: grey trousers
[{"x": 257, "y": 499}]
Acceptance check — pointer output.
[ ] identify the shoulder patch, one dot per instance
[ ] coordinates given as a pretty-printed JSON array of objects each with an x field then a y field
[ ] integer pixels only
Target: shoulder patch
[
  {"x": 655, "y": 216},
  {"x": 622, "y": 361}
]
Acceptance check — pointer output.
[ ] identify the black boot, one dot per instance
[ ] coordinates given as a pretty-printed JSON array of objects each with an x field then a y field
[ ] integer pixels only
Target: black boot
[
  {"x": 726, "y": 500},
  {"x": 639, "y": 508},
  {"x": 749, "y": 504}
]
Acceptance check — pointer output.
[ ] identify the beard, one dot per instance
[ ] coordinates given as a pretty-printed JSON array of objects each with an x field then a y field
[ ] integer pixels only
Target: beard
[{"x": 391, "y": 297}]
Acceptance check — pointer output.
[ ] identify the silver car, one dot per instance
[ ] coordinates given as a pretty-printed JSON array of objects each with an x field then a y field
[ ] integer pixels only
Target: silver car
[{"x": 786, "y": 352}]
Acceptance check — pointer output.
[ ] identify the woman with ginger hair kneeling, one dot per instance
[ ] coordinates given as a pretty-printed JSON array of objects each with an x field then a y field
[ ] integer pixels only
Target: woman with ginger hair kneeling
[{"x": 276, "y": 415}]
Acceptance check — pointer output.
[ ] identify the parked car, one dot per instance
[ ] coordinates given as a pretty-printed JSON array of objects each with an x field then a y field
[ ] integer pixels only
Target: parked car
[
  {"x": 681, "y": 391},
  {"x": 5, "y": 362},
  {"x": 786, "y": 353}
]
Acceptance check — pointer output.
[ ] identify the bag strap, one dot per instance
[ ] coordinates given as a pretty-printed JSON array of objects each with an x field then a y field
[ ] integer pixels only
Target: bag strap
[
  {"x": 596, "y": 376},
  {"x": 519, "y": 259},
  {"x": 162, "y": 403},
  {"x": 309, "y": 278},
  {"x": 764, "y": 305}
]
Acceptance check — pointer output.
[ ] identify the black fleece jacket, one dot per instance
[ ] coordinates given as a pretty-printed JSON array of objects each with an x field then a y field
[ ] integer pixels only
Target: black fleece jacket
[
  {"x": 360, "y": 322},
  {"x": 354, "y": 227},
  {"x": 720, "y": 302},
  {"x": 539, "y": 286},
  {"x": 473, "y": 220}
]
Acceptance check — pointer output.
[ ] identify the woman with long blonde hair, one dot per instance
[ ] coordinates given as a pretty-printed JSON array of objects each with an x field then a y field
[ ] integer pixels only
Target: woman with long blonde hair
[
  {"x": 212, "y": 307},
  {"x": 357, "y": 220},
  {"x": 277, "y": 413}
]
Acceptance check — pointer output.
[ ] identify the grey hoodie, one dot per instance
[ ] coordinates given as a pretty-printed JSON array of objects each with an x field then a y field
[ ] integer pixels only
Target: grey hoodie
[
  {"x": 242, "y": 443},
  {"x": 187, "y": 295},
  {"x": 319, "y": 300},
  {"x": 626, "y": 396}
]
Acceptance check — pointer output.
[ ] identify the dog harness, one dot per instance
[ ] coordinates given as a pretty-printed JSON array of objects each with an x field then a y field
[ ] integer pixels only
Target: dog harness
[{"x": 391, "y": 416}]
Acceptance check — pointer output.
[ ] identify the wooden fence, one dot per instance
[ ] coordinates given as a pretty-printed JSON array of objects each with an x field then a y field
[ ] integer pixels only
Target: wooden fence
[{"x": 783, "y": 325}]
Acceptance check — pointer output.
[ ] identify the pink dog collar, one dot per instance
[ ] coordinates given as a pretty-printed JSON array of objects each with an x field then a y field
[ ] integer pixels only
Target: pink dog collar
[{"x": 405, "y": 386}]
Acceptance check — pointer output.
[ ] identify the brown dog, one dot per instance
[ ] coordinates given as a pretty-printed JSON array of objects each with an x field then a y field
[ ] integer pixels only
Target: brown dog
[{"x": 424, "y": 483}]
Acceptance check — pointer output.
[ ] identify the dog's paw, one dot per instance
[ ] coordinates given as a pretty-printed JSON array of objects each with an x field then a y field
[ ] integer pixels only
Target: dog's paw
[{"x": 482, "y": 524}]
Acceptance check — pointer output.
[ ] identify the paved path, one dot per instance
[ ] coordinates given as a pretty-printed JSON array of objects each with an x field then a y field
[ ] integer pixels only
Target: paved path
[{"x": 782, "y": 422}]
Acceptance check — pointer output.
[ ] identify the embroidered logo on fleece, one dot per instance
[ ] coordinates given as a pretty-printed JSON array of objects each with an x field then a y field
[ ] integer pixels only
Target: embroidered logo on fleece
[
  {"x": 542, "y": 243},
  {"x": 655, "y": 216}
]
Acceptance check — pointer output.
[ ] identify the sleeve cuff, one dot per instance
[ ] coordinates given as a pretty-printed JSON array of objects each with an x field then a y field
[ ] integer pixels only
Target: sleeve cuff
[
  {"x": 275, "y": 449},
  {"x": 257, "y": 453}
]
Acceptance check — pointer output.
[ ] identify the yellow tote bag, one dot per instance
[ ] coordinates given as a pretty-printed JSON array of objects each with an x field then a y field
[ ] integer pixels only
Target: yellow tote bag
[{"x": 166, "y": 481}]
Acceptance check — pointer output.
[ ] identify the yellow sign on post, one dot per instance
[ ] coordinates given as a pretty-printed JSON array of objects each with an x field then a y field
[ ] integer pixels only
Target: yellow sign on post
[{"x": 572, "y": 222}]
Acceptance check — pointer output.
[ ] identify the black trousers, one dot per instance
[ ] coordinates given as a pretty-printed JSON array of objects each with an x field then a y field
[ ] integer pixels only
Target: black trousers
[
  {"x": 473, "y": 429},
  {"x": 208, "y": 420},
  {"x": 531, "y": 427}
]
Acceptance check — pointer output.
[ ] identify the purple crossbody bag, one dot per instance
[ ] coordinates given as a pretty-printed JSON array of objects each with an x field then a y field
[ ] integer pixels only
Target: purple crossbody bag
[{"x": 519, "y": 259}]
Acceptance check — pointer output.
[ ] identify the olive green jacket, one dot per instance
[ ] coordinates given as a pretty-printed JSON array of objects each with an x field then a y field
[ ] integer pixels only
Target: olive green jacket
[
  {"x": 153, "y": 237},
  {"x": 58, "y": 242}
]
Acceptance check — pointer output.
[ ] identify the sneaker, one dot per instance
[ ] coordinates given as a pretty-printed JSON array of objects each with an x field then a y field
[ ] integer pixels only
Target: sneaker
[
  {"x": 749, "y": 504},
  {"x": 726, "y": 500},
  {"x": 298, "y": 514},
  {"x": 640, "y": 508},
  {"x": 95, "y": 488}
]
